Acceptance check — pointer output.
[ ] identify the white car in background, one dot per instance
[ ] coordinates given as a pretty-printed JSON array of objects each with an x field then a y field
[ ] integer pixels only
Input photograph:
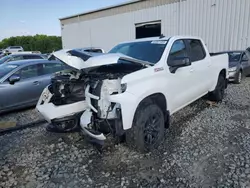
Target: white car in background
[
  {"x": 11, "y": 49},
  {"x": 133, "y": 90}
]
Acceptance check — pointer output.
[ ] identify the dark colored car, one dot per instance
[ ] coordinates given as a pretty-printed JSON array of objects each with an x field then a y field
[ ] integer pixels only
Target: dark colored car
[
  {"x": 16, "y": 57},
  {"x": 22, "y": 82},
  {"x": 239, "y": 65}
]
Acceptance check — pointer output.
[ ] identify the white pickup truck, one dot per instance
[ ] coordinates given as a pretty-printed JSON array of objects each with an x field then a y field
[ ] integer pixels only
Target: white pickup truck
[{"x": 134, "y": 89}]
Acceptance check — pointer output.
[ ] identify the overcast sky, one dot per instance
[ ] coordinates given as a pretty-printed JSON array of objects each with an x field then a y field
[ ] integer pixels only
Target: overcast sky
[{"x": 30, "y": 17}]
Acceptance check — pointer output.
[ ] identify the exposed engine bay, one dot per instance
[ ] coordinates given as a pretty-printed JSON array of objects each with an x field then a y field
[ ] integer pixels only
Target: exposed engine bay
[
  {"x": 82, "y": 98},
  {"x": 69, "y": 86}
]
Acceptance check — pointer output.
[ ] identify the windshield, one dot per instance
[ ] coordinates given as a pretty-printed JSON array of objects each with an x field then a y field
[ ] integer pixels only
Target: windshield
[
  {"x": 6, "y": 68},
  {"x": 3, "y": 59},
  {"x": 234, "y": 56},
  {"x": 150, "y": 51}
]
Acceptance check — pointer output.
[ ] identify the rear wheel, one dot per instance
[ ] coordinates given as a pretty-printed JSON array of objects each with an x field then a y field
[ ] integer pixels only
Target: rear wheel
[
  {"x": 218, "y": 94},
  {"x": 238, "y": 78},
  {"x": 148, "y": 127}
]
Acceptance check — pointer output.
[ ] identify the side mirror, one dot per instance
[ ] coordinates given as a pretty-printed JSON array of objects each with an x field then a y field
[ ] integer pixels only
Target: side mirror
[
  {"x": 178, "y": 62},
  {"x": 13, "y": 79}
]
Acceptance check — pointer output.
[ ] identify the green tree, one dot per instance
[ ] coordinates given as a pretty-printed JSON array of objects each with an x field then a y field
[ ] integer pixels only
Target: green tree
[{"x": 42, "y": 43}]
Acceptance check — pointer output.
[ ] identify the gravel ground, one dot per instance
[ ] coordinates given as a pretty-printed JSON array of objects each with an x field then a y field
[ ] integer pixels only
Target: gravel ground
[
  {"x": 204, "y": 147},
  {"x": 22, "y": 117}
]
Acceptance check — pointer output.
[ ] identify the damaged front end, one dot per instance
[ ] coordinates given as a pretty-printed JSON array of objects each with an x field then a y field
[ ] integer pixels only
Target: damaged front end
[
  {"x": 83, "y": 95},
  {"x": 63, "y": 101}
]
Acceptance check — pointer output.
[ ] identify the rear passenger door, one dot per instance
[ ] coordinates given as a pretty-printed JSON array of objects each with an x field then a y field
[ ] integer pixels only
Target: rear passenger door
[{"x": 200, "y": 66}]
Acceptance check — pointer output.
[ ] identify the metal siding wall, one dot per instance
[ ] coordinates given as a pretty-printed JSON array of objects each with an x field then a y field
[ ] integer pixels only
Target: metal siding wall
[{"x": 223, "y": 24}]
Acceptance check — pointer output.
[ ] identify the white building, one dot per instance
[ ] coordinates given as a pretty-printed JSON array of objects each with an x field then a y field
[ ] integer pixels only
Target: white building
[{"x": 223, "y": 24}]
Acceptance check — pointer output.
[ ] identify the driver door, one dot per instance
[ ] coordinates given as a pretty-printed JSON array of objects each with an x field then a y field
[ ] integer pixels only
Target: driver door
[
  {"x": 23, "y": 91},
  {"x": 181, "y": 83}
]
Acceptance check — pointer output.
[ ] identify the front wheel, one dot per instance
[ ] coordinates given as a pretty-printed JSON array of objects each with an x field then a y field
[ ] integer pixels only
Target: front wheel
[
  {"x": 218, "y": 94},
  {"x": 148, "y": 127}
]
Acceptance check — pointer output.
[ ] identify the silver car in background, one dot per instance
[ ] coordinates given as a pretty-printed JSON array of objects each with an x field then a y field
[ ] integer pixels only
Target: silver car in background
[
  {"x": 22, "y": 82},
  {"x": 13, "y": 49},
  {"x": 239, "y": 65},
  {"x": 23, "y": 56}
]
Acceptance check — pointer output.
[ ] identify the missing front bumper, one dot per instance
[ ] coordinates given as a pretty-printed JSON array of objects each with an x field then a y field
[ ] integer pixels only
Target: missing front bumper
[
  {"x": 85, "y": 122},
  {"x": 51, "y": 111}
]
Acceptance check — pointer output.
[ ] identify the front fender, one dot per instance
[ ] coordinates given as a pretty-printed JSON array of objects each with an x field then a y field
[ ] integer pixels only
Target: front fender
[{"x": 128, "y": 104}]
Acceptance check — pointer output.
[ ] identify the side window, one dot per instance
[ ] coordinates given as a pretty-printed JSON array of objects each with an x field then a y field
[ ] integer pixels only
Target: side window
[
  {"x": 50, "y": 68},
  {"x": 197, "y": 51},
  {"x": 177, "y": 50},
  {"x": 244, "y": 57},
  {"x": 28, "y": 72},
  {"x": 15, "y": 47},
  {"x": 15, "y": 58},
  {"x": 32, "y": 57}
]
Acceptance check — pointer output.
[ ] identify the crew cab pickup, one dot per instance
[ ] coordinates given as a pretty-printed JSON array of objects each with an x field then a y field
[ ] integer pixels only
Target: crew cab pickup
[{"x": 132, "y": 90}]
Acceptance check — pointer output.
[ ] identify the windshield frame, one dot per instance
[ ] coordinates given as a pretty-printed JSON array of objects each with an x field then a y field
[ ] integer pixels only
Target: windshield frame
[{"x": 158, "y": 58}]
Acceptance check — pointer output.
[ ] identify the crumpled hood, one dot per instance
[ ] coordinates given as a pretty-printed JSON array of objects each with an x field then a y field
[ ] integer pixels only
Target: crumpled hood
[{"x": 83, "y": 60}]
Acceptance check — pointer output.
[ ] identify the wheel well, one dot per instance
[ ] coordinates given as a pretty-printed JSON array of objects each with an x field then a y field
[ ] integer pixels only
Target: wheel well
[
  {"x": 223, "y": 72},
  {"x": 159, "y": 99}
]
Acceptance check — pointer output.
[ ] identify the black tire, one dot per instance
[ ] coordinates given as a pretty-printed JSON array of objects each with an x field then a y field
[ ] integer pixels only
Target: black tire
[
  {"x": 218, "y": 94},
  {"x": 238, "y": 78},
  {"x": 145, "y": 136}
]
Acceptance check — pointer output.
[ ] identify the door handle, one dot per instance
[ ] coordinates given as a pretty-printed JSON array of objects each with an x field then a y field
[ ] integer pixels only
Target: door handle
[
  {"x": 36, "y": 83},
  {"x": 191, "y": 70}
]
